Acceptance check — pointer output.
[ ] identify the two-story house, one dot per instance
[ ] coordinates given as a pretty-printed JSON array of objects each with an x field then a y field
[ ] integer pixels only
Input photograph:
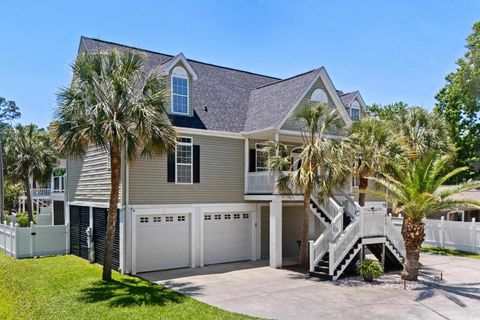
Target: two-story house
[{"x": 212, "y": 201}]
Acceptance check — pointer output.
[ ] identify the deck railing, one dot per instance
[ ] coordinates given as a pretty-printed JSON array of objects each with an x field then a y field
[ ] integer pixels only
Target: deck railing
[{"x": 40, "y": 192}]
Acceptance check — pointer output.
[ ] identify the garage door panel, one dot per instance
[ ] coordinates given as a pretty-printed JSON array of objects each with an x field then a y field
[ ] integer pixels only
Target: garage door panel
[
  {"x": 162, "y": 242},
  {"x": 227, "y": 237}
]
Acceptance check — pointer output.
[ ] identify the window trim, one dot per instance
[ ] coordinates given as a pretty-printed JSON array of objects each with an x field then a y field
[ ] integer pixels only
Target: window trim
[
  {"x": 257, "y": 149},
  {"x": 188, "y": 95},
  {"x": 190, "y": 144},
  {"x": 351, "y": 113}
]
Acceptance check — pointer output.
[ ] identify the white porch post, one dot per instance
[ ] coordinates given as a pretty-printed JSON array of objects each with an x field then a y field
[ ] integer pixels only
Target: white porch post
[
  {"x": 276, "y": 232},
  {"x": 247, "y": 162}
]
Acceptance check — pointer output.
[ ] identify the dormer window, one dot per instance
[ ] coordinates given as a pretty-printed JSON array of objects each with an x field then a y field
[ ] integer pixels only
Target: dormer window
[
  {"x": 355, "y": 111},
  {"x": 180, "y": 100}
]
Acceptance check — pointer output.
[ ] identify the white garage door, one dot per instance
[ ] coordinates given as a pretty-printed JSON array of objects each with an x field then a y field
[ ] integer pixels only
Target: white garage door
[
  {"x": 227, "y": 237},
  {"x": 162, "y": 242}
]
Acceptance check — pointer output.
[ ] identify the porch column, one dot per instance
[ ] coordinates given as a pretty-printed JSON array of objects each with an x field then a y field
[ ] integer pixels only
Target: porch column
[
  {"x": 247, "y": 162},
  {"x": 276, "y": 232}
]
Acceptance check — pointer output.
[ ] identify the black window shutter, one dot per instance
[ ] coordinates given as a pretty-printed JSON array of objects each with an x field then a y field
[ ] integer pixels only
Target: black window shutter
[
  {"x": 171, "y": 167},
  {"x": 196, "y": 164},
  {"x": 252, "y": 159}
]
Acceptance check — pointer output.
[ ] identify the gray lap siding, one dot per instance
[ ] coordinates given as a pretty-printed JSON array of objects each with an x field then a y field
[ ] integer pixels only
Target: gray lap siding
[
  {"x": 221, "y": 176},
  {"x": 88, "y": 177}
]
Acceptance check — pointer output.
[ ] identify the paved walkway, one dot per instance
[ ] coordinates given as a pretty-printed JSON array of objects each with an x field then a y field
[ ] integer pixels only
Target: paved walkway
[{"x": 253, "y": 288}]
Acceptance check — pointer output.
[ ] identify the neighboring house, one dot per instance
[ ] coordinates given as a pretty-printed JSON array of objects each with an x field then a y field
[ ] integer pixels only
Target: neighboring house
[
  {"x": 212, "y": 201},
  {"x": 460, "y": 215},
  {"x": 49, "y": 194}
]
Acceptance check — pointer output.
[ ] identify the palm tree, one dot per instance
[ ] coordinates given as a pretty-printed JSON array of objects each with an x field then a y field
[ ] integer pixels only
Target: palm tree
[
  {"x": 112, "y": 103},
  {"x": 322, "y": 166},
  {"x": 421, "y": 132},
  {"x": 28, "y": 153},
  {"x": 415, "y": 187},
  {"x": 374, "y": 148}
]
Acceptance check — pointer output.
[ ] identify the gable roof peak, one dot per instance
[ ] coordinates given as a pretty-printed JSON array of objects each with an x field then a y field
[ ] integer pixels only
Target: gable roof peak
[{"x": 170, "y": 64}]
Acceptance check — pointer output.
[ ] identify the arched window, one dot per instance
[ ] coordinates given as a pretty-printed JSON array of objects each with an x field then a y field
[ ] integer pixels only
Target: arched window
[
  {"x": 180, "y": 91},
  {"x": 319, "y": 96},
  {"x": 355, "y": 111}
]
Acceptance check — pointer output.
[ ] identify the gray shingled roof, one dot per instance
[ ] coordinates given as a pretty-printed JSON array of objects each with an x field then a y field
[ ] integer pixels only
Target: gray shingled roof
[
  {"x": 236, "y": 100},
  {"x": 347, "y": 97},
  {"x": 271, "y": 103}
]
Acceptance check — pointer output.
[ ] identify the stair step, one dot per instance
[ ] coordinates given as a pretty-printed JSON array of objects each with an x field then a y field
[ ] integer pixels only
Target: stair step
[
  {"x": 320, "y": 275},
  {"x": 323, "y": 263},
  {"x": 322, "y": 269}
]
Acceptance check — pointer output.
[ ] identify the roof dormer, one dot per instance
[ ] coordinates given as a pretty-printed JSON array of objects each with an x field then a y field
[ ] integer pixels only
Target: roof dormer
[{"x": 181, "y": 75}]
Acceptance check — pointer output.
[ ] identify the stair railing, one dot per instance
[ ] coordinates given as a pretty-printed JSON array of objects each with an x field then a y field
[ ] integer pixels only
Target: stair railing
[
  {"x": 320, "y": 246},
  {"x": 339, "y": 249},
  {"x": 395, "y": 236}
]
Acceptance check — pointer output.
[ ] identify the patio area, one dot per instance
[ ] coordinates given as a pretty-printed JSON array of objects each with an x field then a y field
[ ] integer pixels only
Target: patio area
[{"x": 255, "y": 289}]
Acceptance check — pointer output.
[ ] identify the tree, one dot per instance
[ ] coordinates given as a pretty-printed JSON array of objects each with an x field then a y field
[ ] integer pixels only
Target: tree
[
  {"x": 323, "y": 164},
  {"x": 113, "y": 104},
  {"x": 8, "y": 111},
  {"x": 416, "y": 188},
  {"x": 388, "y": 112},
  {"x": 421, "y": 133},
  {"x": 28, "y": 153},
  {"x": 459, "y": 104},
  {"x": 375, "y": 147}
]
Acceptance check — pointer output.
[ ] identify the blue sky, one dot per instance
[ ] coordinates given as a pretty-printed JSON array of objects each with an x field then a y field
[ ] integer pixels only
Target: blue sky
[{"x": 389, "y": 50}]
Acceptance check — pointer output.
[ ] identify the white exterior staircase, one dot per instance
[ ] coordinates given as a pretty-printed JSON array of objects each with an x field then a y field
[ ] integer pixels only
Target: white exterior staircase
[{"x": 349, "y": 228}]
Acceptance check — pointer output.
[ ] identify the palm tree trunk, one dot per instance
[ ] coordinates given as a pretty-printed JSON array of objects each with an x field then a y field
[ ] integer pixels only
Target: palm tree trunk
[
  {"x": 413, "y": 235},
  {"x": 362, "y": 187},
  {"x": 29, "y": 200},
  {"x": 115, "y": 165},
  {"x": 305, "y": 227}
]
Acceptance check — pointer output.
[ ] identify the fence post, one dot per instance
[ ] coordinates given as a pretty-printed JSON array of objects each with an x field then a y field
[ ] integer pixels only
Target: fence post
[
  {"x": 31, "y": 238},
  {"x": 5, "y": 236},
  {"x": 67, "y": 236},
  {"x": 442, "y": 231},
  {"x": 16, "y": 240},
  {"x": 474, "y": 236},
  {"x": 11, "y": 239}
]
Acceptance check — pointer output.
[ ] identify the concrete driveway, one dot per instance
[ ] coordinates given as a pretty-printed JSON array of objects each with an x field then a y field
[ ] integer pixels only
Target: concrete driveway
[{"x": 253, "y": 288}]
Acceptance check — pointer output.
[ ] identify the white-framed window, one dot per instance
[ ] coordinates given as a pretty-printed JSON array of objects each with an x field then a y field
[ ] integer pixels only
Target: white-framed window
[
  {"x": 227, "y": 216},
  {"x": 245, "y": 216},
  {"x": 260, "y": 157},
  {"x": 143, "y": 219},
  {"x": 236, "y": 216},
  {"x": 180, "y": 89},
  {"x": 218, "y": 217},
  {"x": 184, "y": 161},
  {"x": 208, "y": 217},
  {"x": 181, "y": 218},
  {"x": 355, "y": 111},
  {"x": 169, "y": 219},
  {"x": 157, "y": 219}
]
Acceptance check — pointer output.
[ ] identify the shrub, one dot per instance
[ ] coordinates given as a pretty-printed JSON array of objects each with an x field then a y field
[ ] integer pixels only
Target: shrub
[
  {"x": 12, "y": 192},
  {"x": 370, "y": 269},
  {"x": 22, "y": 219}
]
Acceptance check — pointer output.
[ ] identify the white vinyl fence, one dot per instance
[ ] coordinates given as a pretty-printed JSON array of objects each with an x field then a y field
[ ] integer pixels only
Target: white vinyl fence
[
  {"x": 457, "y": 235},
  {"x": 34, "y": 241}
]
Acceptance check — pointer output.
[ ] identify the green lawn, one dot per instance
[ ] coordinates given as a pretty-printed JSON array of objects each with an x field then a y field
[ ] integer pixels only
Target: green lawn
[
  {"x": 70, "y": 288},
  {"x": 451, "y": 252}
]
